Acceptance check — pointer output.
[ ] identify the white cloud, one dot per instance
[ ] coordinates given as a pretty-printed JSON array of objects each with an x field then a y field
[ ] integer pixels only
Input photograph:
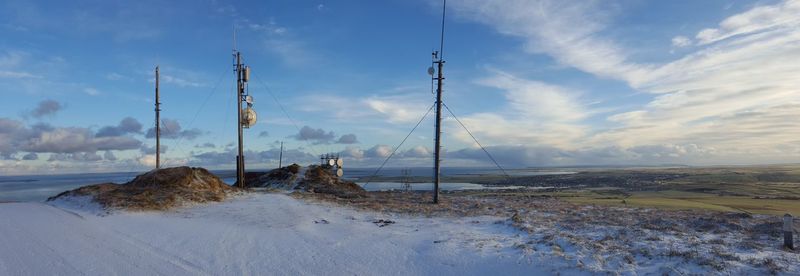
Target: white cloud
[
  {"x": 12, "y": 59},
  {"x": 91, "y": 91},
  {"x": 379, "y": 151},
  {"x": 116, "y": 76},
  {"x": 418, "y": 152},
  {"x": 567, "y": 31},
  {"x": 758, "y": 19},
  {"x": 395, "y": 109},
  {"x": 271, "y": 28},
  {"x": 182, "y": 82},
  {"x": 536, "y": 113},
  {"x": 742, "y": 69},
  {"x": 171, "y": 75},
  {"x": 681, "y": 41},
  {"x": 18, "y": 75},
  {"x": 149, "y": 161},
  {"x": 353, "y": 152},
  {"x": 282, "y": 42},
  {"x": 11, "y": 63}
]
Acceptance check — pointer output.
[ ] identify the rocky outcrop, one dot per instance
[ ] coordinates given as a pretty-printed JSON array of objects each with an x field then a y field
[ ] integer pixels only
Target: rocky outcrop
[
  {"x": 160, "y": 189},
  {"x": 315, "y": 179},
  {"x": 319, "y": 179},
  {"x": 284, "y": 178}
]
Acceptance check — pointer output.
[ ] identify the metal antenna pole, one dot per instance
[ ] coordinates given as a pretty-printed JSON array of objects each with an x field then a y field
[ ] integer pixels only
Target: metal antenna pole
[
  {"x": 280, "y": 158},
  {"x": 439, "y": 79},
  {"x": 158, "y": 125},
  {"x": 239, "y": 95},
  {"x": 438, "y": 146}
]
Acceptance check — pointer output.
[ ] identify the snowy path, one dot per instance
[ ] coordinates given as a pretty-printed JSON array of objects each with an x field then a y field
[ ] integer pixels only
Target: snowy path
[{"x": 270, "y": 234}]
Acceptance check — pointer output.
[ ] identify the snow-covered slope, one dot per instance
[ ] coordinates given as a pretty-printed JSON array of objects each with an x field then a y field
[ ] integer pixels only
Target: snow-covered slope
[{"x": 263, "y": 234}]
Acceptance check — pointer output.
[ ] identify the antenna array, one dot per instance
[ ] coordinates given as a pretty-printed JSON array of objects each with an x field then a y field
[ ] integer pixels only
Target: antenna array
[{"x": 332, "y": 161}]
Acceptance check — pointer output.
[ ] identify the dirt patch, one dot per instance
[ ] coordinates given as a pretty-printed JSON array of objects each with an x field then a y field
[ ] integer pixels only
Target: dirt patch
[{"x": 157, "y": 190}]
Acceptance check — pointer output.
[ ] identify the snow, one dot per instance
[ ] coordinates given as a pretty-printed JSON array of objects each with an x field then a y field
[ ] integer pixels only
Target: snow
[
  {"x": 256, "y": 233},
  {"x": 277, "y": 234}
]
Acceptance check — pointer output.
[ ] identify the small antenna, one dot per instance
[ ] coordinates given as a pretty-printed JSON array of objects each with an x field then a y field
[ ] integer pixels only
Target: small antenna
[
  {"x": 234, "y": 37},
  {"x": 441, "y": 40}
]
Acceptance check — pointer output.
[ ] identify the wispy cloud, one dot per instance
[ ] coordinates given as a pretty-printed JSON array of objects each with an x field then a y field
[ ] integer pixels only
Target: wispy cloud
[
  {"x": 11, "y": 65},
  {"x": 741, "y": 71},
  {"x": 395, "y": 109},
  {"x": 282, "y": 42},
  {"x": 174, "y": 76},
  {"x": 536, "y": 113},
  {"x": 681, "y": 41},
  {"x": 18, "y": 75},
  {"x": 756, "y": 20}
]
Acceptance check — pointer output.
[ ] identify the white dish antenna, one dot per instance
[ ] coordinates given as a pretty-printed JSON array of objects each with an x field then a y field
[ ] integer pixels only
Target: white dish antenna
[
  {"x": 249, "y": 117},
  {"x": 331, "y": 162},
  {"x": 339, "y": 172},
  {"x": 248, "y": 99},
  {"x": 339, "y": 162},
  {"x": 431, "y": 71}
]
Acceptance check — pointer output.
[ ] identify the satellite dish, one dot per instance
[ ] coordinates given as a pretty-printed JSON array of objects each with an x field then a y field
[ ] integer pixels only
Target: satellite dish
[
  {"x": 331, "y": 162},
  {"x": 339, "y": 172},
  {"x": 249, "y": 99},
  {"x": 249, "y": 117},
  {"x": 431, "y": 71},
  {"x": 339, "y": 162}
]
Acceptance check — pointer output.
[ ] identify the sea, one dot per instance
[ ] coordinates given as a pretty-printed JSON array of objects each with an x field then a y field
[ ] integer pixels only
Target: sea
[{"x": 41, "y": 187}]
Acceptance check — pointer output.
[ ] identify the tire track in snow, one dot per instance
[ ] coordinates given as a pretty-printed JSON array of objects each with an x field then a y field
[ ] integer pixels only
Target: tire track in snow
[
  {"x": 175, "y": 260},
  {"x": 120, "y": 251}
]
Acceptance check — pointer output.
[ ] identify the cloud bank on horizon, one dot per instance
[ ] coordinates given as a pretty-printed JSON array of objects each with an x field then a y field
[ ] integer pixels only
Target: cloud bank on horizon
[{"x": 539, "y": 82}]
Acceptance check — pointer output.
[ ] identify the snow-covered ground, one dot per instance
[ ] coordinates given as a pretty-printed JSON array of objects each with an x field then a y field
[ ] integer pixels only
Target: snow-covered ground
[
  {"x": 276, "y": 234},
  {"x": 263, "y": 234}
]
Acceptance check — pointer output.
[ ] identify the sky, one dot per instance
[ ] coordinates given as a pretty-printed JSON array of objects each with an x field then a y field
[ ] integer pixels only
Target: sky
[{"x": 538, "y": 83}]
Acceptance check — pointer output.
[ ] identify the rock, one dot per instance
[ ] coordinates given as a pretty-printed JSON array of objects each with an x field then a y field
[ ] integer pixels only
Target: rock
[
  {"x": 383, "y": 222},
  {"x": 159, "y": 189},
  {"x": 516, "y": 218}
]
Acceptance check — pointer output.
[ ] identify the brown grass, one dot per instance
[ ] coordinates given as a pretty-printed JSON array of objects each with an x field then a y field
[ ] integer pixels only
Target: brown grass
[
  {"x": 594, "y": 228},
  {"x": 319, "y": 179},
  {"x": 157, "y": 190}
]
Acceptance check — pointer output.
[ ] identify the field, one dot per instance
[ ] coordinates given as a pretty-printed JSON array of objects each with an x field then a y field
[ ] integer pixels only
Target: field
[{"x": 773, "y": 190}]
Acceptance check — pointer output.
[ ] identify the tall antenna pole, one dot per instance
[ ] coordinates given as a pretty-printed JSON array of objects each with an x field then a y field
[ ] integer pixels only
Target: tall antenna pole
[
  {"x": 239, "y": 94},
  {"x": 438, "y": 59},
  {"x": 158, "y": 125},
  {"x": 438, "y": 146},
  {"x": 280, "y": 159}
]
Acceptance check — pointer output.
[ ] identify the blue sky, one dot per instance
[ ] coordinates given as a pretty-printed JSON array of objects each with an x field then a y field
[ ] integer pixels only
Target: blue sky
[{"x": 540, "y": 82}]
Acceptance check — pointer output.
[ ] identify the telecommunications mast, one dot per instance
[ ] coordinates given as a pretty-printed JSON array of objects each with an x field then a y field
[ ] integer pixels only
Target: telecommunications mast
[
  {"x": 436, "y": 74},
  {"x": 247, "y": 116},
  {"x": 158, "y": 125}
]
